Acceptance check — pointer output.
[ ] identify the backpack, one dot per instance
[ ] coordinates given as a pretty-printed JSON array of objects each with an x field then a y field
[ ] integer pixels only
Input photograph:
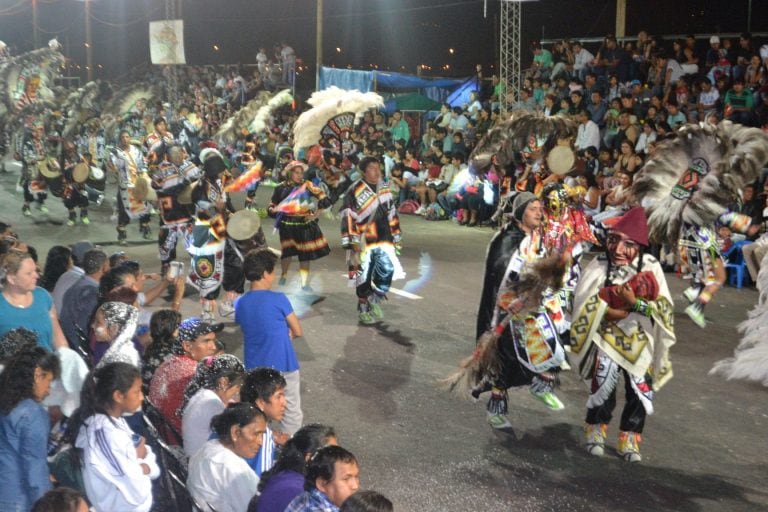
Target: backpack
[{"x": 408, "y": 206}]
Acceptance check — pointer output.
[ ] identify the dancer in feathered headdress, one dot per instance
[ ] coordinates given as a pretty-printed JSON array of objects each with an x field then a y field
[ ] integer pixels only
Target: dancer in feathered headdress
[
  {"x": 326, "y": 129},
  {"x": 689, "y": 186}
]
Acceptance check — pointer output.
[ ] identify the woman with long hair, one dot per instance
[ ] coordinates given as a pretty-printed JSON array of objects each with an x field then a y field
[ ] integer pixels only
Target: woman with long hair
[
  {"x": 163, "y": 332},
  {"x": 218, "y": 472},
  {"x": 216, "y": 383},
  {"x": 285, "y": 480},
  {"x": 24, "y": 427},
  {"x": 24, "y": 304},
  {"x": 117, "y": 465},
  {"x": 58, "y": 261}
]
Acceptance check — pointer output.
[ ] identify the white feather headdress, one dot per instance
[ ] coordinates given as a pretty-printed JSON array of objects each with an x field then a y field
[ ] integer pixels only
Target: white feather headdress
[{"x": 259, "y": 123}]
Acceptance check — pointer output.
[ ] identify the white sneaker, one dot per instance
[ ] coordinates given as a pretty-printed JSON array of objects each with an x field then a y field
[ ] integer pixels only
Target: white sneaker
[{"x": 420, "y": 210}]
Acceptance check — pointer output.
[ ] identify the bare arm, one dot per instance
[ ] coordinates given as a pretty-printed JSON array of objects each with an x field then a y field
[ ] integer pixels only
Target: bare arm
[
  {"x": 59, "y": 340},
  {"x": 294, "y": 326}
]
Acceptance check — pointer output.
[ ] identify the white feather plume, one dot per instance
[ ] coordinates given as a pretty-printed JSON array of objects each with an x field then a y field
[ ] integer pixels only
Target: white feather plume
[
  {"x": 259, "y": 123},
  {"x": 327, "y": 104}
]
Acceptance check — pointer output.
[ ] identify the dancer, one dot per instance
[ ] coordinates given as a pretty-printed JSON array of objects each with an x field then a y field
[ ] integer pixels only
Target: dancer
[
  {"x": 296, "y": 204},
  {"x": 688, "y": 186},
  {"x": 33, "y": 155},
  {"x": 133, "y": 185},
  {"x": 207, "y": 242},
  {"x": 370, "y": 231},
  {"x": 75, "y": 173},
  {"x": 623, "y": 324}
]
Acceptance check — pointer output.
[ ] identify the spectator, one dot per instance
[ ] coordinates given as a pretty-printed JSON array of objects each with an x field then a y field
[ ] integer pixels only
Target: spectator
[
  {"x": 707, "y": 99},
  {"x": 542, "y": 62},
  {"x": 117, "y": 465},
  {"x": 57, "y": 262},
  {"x": 216, "y": 383},
  {"x": 164, "y": 332},
  {"x": 458, "y": 121},
  {"x": 525, "y": 102},
  {"x": 647, "y": 136},
  {"x": 739, "y": 104},
  {"x": 675, "y": 118},
  {"x": 285, "y": 480},
  {"x": 72, "y": 275},
  {"x": 269, "y": 323},
  {"x": 591, "y": 201},
  {"x": 218, "y": 475},
  {"x": 367, "y": 501},
  {"x": 588, "y": 134},
  {"x": 166, "y": 391},
  {"x": 399, "y": 128},
  {"x": 82, "y": 298},
  {"x": 115, "y": 324},
  {"x": 61, "y": 499},
  {"x": 627, "y": 161},
  {"x": 597, "y": 109},
  {"x": 332, "y": 477},
  {"x": 24, "y": 427},
  {"x": 581, "y": 60},
  {"x": 24, "y": 304}
]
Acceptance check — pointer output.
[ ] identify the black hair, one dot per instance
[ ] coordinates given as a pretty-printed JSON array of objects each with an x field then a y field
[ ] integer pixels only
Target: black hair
[
  {"x": 56, "y": 263},
  {"x": 159, "y": 120},
  {"x": 258, "y": 262},
  {"x": 367, "y": 501},
  {"x": 459, "y": 155},
  {"x": 591, "y": 180},
  {"x": 322, "y": 464},
  {"x": 365, "y": 162},
  {"x": 15, "y": 340},
  {"x": 18, "y": 377},
  {"x": 293, "y": 456},
  {"x": 240, "y": 414},
  {"x": 261, "y": 383},
  {"x": 132, "y": 265},
  {"x": 162, "y": 325},
  {"x": 113, "y": 278},
  {"x": 96, "y": 394},
  {"x": 61, "y": 499},
  {"x": 93, "y": 261}
]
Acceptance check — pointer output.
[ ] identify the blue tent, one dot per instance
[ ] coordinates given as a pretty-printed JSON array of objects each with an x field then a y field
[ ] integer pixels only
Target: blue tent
[
  {"x": 460, "y": 96},
  {"x": 436, "y": 89}
]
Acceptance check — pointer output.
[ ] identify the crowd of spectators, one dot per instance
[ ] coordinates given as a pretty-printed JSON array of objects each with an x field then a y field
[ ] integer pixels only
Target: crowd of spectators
[{"x": 116, "y": 407}]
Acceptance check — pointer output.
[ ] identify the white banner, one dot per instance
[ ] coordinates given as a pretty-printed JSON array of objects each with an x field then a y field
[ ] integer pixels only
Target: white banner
[{"x": 166, "y": 42}]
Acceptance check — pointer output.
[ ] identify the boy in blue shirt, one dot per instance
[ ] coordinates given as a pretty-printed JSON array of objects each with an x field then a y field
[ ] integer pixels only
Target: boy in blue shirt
[{"x": 269, "y": 323}]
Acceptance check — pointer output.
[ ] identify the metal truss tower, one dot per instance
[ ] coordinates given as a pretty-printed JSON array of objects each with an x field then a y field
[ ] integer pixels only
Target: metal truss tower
[
  {"x": 509, "y": 52},
  {"x": 172, "y": 85}
]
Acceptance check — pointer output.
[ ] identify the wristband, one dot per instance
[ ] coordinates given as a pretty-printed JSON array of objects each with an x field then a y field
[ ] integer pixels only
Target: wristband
[{"x": 643, "y": 307}]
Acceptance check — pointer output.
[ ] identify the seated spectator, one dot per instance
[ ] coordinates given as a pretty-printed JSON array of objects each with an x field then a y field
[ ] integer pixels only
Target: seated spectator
[
  {"x": 724, "y": 240},
  {"x": 218, "y": 474},
  {"x": 163, "y": 331},
  {"x": 115, "y": 324},
  {"x": 285, "y": 480},
  {"x": 265, "y": 388},
  {"x": 367, "y": 501},
  {"x": 627, "y": 161},
  {"x": 588, "y": 134},
  {"x": 57, "y": 262},
  {"x": 647, "y": 136},
  {"x": 216, "y": 384},
  {"x": 82, "y": 298},
  {"x": 24, "y": 427},
  {"x": 739, "y": 104},
  {"x": 118, "y": 467},
  {"x": 619, "y": 197},
  {"x": 707, "y": 99},
  {"x": 675, "y": 118},
  {"x": 72, "y": 275},
  {"x": 397, "y": 182},
  {"x": 166, "y": 391},
  {"x": 591, "y": 201},
  {"x": 61, "y": 499},
  {"x": 269, "y": 323},
  {"x": 24, "y": 304},
  {"x": 333, "y": 475}
]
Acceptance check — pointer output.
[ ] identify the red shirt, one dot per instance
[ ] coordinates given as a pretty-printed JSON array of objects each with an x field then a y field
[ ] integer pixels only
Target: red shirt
[
  {"x": 433, "y": 171},
  {"x": 166, "y": 391}
]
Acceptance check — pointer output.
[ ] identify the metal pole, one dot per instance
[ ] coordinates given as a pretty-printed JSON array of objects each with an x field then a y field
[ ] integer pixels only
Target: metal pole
[
  {"x": 35, "y": 24},
  {"x": 88, "y": 41},
  {"x": 319, "y": 44}
]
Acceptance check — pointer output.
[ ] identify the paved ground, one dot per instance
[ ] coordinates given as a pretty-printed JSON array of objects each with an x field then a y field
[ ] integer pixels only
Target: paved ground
[{"x": 704, "y": 449}]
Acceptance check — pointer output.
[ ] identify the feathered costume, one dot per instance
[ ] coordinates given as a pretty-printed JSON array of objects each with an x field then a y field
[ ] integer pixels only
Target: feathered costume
[{"x": 689, "y": 186}]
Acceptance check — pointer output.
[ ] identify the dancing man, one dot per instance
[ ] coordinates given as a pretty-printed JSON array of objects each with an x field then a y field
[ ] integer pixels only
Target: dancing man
[
  {"x": 623, "y": 324},
  {"x": 370, "y": 231},
  {"x": 128, "y": 161},
  {"x": 32, "y": 156}
]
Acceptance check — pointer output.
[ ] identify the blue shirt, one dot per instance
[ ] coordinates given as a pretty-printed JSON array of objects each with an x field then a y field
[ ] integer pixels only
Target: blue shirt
[
  {"x": 23, "y": 451},
  {"x": 280, "y": 490},
  {"x": 36, "y": 317},
  {"x": 312, "y": 501},
  {"x": 261, "y": 314}
]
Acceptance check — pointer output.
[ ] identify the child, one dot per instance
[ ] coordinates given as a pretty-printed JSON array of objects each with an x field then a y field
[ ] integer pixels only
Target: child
[
  {"x": 118, "y": 466},
  {"x": 268, "y": 324}
]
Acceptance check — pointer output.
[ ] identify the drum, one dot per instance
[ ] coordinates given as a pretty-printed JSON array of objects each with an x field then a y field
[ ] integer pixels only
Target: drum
[
  {"x": 243, "y": 225},
  {"x": 49, "y": 168},
  {"x": 560, "y": 160},
  {"x": 96, "y": 174},
  {"x": 81, "y": 172}
]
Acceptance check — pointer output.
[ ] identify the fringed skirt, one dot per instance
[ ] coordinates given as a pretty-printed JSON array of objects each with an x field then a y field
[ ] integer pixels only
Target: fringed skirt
[{"x": 303, "y": 239}]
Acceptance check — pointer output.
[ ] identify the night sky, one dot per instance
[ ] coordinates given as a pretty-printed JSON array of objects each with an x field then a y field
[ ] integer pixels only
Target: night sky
[{"x": 392, "y": 34}]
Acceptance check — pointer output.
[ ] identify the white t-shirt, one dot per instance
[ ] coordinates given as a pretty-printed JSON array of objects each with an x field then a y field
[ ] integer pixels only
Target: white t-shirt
[
  {"x": 196, "y": 419},
  {"x": 219, "y": 477}
]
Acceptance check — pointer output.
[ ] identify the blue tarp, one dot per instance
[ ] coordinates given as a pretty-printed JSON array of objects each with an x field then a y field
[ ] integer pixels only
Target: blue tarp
[
  {"x": 460, "y": 96},
  {"x": 364, "y": 81}
]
